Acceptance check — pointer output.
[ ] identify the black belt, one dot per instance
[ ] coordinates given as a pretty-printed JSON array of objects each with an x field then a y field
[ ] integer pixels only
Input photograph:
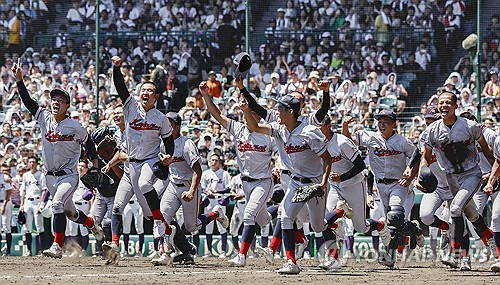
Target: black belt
[
  {"x": 33, "y": 199},
  {"x": 242, "y": 202},
  {"x": 287, "y": 172},
  {"x": 81, "y": 203},
  {"x": 180, "y": 184},
  {"x": 387, "y": 180},
  {"x": 248, "y": 179},
  {"x": 131, "y": 159},
  {"x": 131, "y": 202},
  {"x": 302, "y": 179},
  {"x": 58, "y": 173}
]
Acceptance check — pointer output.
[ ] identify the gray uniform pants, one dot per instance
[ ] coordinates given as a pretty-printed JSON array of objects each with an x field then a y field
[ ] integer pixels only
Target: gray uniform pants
[
  {"x": 123, "y": 195},
  {"x": 61, "y": 188},
  {"x": 101, "y": 209},
  {"x": 463, "y": 186},
  {"x": 171, "y": 201},
  {"x": 355, "y": 196}
]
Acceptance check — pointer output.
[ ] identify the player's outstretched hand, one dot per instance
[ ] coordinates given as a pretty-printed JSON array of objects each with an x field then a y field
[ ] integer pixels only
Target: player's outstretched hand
[
  {"x": 166, "y": 159},
  {"x": 244, "y": 105},
  {"x": 348, "y": 119},
  {"x": 335, "y": 177},
  {"x": 16, "y": 69},
  {"x": 324, "y": 85},
  {"x": 238, "y": 81},
  {"x": 488, "y": 189},
  {"x": 117, "y": 61},
  {"x": 105, "y": 169},
  {"x": 203, "y": 88}
]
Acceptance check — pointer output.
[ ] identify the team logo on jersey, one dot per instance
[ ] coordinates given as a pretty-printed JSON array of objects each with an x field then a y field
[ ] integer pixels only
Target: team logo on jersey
[
  {"x": 295, "y": 148},
  {"x": 249, "y": 146},
  {"x": 143, "y": 126},
  {"x": 336, "y": 158},
  {"x": 385, "y": 152},
  {"x": 177, "y": 159},
  {"x": 58, "y": 137}
]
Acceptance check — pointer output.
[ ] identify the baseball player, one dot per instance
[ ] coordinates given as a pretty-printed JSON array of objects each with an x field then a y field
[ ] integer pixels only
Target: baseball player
[
  {"x": 61, "y": 141},
  {"x": 253, "y": 152},
  {"x": 315, "y": 118},
  {"x": 299, "y": 143},
  {"x": 214, "y": 182},
  {"x": 133, "y": 209},
  {"x": 349, "y": 185},
  {"x": 183, "y": 190},
  {"x": 453, "y": 141},
  {"x": 146, "y": 127},
  {"x": 237, "y": 217},
  {"x": 81, "y": 199},
  {"x": 432, "y": 202},
  {"x": 31, "y": 192},
  {"x": 6, "y": 215},
  {"x": 495, "y": 215},
  {"x": 481, "y": 198},
  {"x": 387, "y": 152}
]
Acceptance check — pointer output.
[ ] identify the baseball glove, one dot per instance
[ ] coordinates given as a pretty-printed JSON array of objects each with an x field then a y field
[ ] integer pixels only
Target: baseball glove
[
  {"x": 106, "y": 148},
  {"x": 91, "y": 178},
  {"x": 306, "y": 193}
]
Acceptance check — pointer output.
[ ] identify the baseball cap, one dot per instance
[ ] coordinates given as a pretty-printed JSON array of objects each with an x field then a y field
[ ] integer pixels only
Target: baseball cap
[
  {"x": 58, "y": 91},
  {"x": 326, "y": 35},
  {"x": 275, "y": 75},
  {"x": 289, "y": 102},
  {"x": 185, "y": 129},
  {"x": 212, "y": 73},
  {"x": 386, "y": 113},
  {"x": 242, "y": 63},
  {"x": 174, "y": 117},
  {"x": 432, "y": 112}
]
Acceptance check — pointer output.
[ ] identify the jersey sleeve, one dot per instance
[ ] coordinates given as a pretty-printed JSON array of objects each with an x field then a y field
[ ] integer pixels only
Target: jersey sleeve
[
  {"x": 316, "y": 140},
  {"x": 496, "y": 148},
  {"x": 409, "y": 148},
  {"x": 22, "y": 185},
  {"x": 348, "y": 149},
  {"x": 421, "y": 141},
  {"x": 475, "y": 129},
  {"x": 41, "y": 115},
  {"x": 274, "y": 129},
  {"x": 81, "y": 134},
  {"x": 428, "y": 141},
  {"x": 272, "y": 116},
  {"x": 226, "y": 180},
  {"x": 7, "y": 186},
  {"x": 362, "y": 137},
  {"x": 204, "y": 181},
  {"x": 191, "y": 154},
  {"x": 166, "y": 128},
  {"x": 235, "y": 128}
]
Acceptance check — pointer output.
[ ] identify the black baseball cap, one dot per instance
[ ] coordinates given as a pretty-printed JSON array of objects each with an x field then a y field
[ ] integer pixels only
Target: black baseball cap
[
  {"x": 58, "y": 91},
  {"x": 432, "y": 112},
  {"x": 386, "y": 113},
  {"x": 174, "y": 117},
  {"x": 289, "y": 102}
]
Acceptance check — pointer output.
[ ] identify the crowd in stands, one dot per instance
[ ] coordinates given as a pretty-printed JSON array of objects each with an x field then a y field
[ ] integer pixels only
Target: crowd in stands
[{"x": 367, "y": 69}]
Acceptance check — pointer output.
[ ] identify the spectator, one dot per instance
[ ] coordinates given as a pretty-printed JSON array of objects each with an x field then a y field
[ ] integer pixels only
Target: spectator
[{"x": 492, "y": 87}]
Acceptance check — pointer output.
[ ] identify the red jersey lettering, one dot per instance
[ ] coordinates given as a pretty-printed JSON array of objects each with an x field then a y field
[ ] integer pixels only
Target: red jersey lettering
[
  {"x": 58, "y": 137},
  {"x": 143, "y": 126},
  {"x": 248, "y": 146}
]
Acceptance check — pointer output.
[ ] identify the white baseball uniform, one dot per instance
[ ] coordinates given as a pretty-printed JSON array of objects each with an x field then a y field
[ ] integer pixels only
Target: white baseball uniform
[
  {"x": 239, "y": 209},
  {"x": 495, "y": 211},
  {"x": 6, "y": 219},
  {"x": 481, "y": 198},
  {"x": 82, "y": 205},
  {"x": 133, "y": 209},
  {"x": 217, "y": 181},
  {"x": 31, "y": 186}
]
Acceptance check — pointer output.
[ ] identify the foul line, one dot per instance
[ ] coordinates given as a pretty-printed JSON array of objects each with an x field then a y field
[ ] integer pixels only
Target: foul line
[{"x": 64, "y": 276}]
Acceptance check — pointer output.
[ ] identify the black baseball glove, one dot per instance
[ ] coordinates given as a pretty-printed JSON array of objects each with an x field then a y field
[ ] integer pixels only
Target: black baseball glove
[
  {"x": 91, "y": 178},
  {"x": 307, "y": 192}
]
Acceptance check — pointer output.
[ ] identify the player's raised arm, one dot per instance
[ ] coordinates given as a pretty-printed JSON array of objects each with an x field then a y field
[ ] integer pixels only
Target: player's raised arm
[
  {"x": 254, "y": 106},
  {"x": 325, "y": 104},
  {"x": 252, "y": 124},
  {"x": 118, "y": 79},
  {"x": 30, "y": 104},
  {"x": 211, "y": 106}
]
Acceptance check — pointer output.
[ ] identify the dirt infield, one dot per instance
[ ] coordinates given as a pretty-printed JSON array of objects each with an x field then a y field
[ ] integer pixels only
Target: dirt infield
[{"x": 89, "y": 270}]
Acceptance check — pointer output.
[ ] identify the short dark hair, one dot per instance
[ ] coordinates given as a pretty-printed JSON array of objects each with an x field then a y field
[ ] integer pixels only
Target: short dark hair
[
  {"x": 454, "y": 98},
  {"x": 152, "y": 83}
]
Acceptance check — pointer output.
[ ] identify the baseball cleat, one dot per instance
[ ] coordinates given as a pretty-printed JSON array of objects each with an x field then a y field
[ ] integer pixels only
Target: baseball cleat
[
  {"x": 420, "y": 239},
  {"x": 184, "y": 259},
  {"x": 307, "y": 255},
  {"x": 27, "y": 253},
  {"x": 113, "y": 253},
  {"x": 208, "y": 254},
  {"x": 97, "y": 232},
  {"x": 495, "y": 267},
  {"x": 239, "y": 261},
  {"x": 159, "y": 228},
  {"x": 445, "y": 239},
  {"x": 222, "y": 218},
  {"x": 289, "y": 268},
  {"x": 331, "y": 264},
  {"x": 387, "y": 260},
  {"x": 222, "y": 255},
  {"x": 385, "y": 234},
  {"x": 164, "y": 259},
  {"x": 251, "y": 254},
  {"x": 466, "y": 264},
  {"x": 154, "y": 254},
  {"x": 266, "y": 252},
  {"x": 348, "y": 212},
  {"x": 55, "y": 251},
  {"x": 124, "y": 254},
  {"x": 300, "y": 248},
  {"x": 450, "y": 261},
  {"x": 138, "y": 254},
  {"x": 484, "y": 255}
]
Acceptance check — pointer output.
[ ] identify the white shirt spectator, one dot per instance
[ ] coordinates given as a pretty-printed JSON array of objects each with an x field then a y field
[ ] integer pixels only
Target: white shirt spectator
[
  {"x": 74, "y": 16},
  {"x": 423, "y": 59},
  {"x": 458, "y": 7}
]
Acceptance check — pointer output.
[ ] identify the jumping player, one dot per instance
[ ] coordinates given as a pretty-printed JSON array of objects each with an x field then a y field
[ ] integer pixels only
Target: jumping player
[{"x": 61, "y": 141}]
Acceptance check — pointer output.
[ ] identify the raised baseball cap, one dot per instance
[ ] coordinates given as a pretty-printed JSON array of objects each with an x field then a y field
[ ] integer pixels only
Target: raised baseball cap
[
  {"x": 432, "y": 112},
  {"x": 386, "y": 113},
  {"x": 174, "y": 117},
  {"x": 58, "y": 91},
  {"x": 242, "y": 63}
]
